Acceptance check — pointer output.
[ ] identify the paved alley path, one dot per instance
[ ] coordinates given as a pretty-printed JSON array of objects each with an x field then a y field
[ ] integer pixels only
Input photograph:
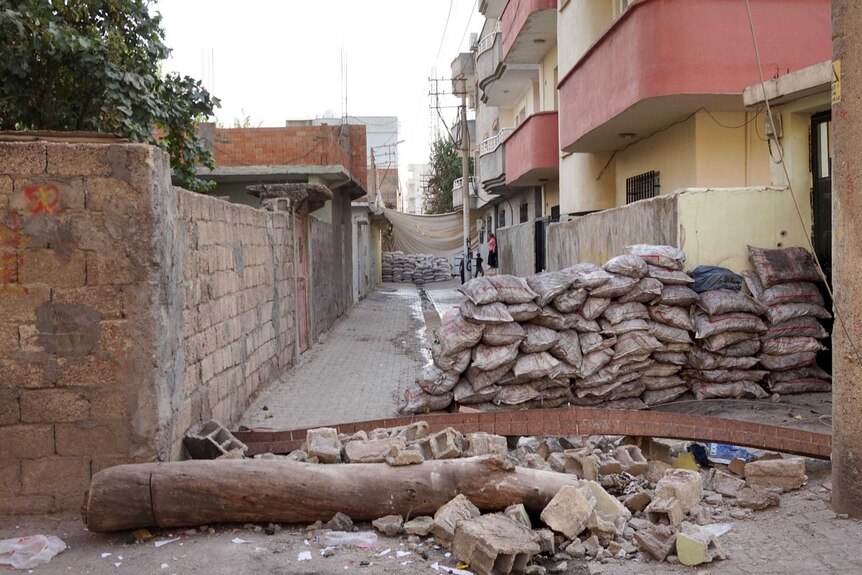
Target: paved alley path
[{"x": 359, "y": 372}]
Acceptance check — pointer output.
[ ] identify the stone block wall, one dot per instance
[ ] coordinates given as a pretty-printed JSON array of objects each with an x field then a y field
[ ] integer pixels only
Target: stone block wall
[{"x": 128, "y": 310}]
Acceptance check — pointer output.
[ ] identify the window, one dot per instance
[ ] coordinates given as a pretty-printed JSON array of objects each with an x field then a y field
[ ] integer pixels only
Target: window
[
  {"x": 525, "y": 213},
  {"x": 520, "y": 116},
  {"x": 642, "y": 186},
  {"x": 502, "y": 222},
  {"x": 555, "y": 213},
  {"x": 488, "y": 224}
]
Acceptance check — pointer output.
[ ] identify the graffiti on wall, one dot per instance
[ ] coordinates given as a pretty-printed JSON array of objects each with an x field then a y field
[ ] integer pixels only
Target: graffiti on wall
[
  {"x": 11, "y": 239},
  {"x": 42, "y": 200}
]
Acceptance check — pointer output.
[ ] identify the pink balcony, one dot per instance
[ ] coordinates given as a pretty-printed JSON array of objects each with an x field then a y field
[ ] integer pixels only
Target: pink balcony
[
  {"x": 533, "y": 151},
  {"x": 529, "y": 29},
  {"x": 665, "y": 59}
]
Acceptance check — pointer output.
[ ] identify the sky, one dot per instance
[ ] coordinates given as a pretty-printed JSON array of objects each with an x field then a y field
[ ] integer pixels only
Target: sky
[{"x": 274, "y": 60}]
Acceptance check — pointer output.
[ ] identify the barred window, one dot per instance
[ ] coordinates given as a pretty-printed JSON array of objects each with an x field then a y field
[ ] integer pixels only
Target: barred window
[
  {"x": 642, "y": 186},
  {"x": 502, "y": 222},
  {"x": 525, "y": 209}
]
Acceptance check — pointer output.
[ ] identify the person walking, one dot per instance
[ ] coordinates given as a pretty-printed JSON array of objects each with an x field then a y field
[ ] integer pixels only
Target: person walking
[{"x": 492, "y": 251}]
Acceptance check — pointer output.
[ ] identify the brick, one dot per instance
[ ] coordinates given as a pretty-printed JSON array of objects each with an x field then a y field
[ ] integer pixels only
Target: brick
[
  {"x": 53, "y": 405},
  {"x": 85, "y": 438},
  {"x": 114, "y": 196},
  {"x": 568, "y": 511},
  {"x": 22, "y": 158},
  {"x": 675, "y": 494},
  {"x": 26, "y": 442},
  {"x": 79, "y": 159},
  {"x": 8, "y": 338},
  {"x": 10, "y": 479},
  {"x": 30, "y": 505},
  {"x": 109, "y": 269},
  {"x": 20, "y": 307},
  {"x": 47, "y": 267},
  {"x": 23, "y": 375},
  {"x": 88, "y": 371},
  {"x": 485, "y": 444},
  {"x": 788, "y": 474},
  {"x": 10, "y": 409},
  {"x": 494, "y": 544},
  {"x": 372, "y": 450},
  {"x": 323, "y": 443},
  {"x": 447, "y": 517},
  {"x": 107, "y": 300},
  {"x": 55, "y": 475},
  {"x": 108, "y": 405},
  {"x": 447, "y": 444}
]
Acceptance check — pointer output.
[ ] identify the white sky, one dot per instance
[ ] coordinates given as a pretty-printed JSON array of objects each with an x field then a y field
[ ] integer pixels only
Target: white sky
[{"x": 281, "y": 59}]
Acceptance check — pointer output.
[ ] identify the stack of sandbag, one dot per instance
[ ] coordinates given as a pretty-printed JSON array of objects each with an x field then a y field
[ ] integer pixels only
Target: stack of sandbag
[
  {"x": 416, "y": 268},
  {"x": 386, "y": 265},
  {"x": 785, "y": 281},
  {"x": 728, "y": 325}
]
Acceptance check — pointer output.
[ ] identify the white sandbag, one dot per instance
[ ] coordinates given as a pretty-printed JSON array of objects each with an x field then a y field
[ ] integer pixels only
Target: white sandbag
[
  {"x": 677, "y": 347},
  {"x": 549, "y": 285},
  {"x": 662, "y": 256},
  {"x": 547, "y": 383},
  {"x": 570, "y": 300},
  {"x": 504, "y": 334},
  {"x": 785, "y": 312},
  {"x": 567, "y": 347},
  {"x": 724, "y": 375},
  {"x": 675, "y": 316},
  {"x": 580, "y": 324},
  {"x": 597, "y": 390},
  {"x": 436, "y": 381},
  {"x": 716, "y": 343},
  {"x": 784, "y": 265},
  {"x": 617, "y": 312},
  {"x": 512, "y": 289},
  {"x": 491, "y": 357},
  {"x": 647, "y": 290},
  {"x": 492, "y": 313},
  {"x": 699, "y": 358},
  {"x": 455, "y": 362},
  {"x": 627, "y": 265},
  {"x": 615, "y": 329},
  {"x": 738, "y": 389},
  {"x": 801, "y": 385},
  {"x": 592, "y": 341},
  {"x": 538, "y": 338},
  {"x": 465, "y": 394},
  {"x": 594, "y": 361},
  {"x": 721, "y": 301},
  {"x": 635, "y": 343},
  {"x": 481, "y": 379},
  {"x": 797, "y": 292},
  {"x": 615, "y": 287},
  {"x": 657, "y": 383},
  {"x": 668, "y": 333},
  {"x": 456, "y": 334},
  {"x": 672, "y": 357},
  {"x": 515, "y": 394},
  {"x": 632, "y": 364},
  {"x": 535, "y": 365},
  {"x": 658, "y": 369},
  {"x": 420, "y": 401},
  {"x": 565, "y": 370},
  {"x": 587, "y": 275},
  {"x": 523, "y": 311},
  {"x": 709, "y": 325},
  {"x": 663, "y": 396},
  {"x": 594, "y": 307},
  {"x": 603, "y": 376},
  {"x": 788, "y": 345},
  {"x": 747, "y": 348},
  {"x": 669, "y": 277},
  {"x": 550, "y": 318},
  {"x": 480, "y": 291},
  {"x": 789, "y": 361},
  {"x": 797, "y": 327},
  {"x": 678, "y": 295}
]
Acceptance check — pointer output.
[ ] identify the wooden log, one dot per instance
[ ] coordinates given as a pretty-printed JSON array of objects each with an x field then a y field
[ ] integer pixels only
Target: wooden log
[{"x": 191, "y": 493}]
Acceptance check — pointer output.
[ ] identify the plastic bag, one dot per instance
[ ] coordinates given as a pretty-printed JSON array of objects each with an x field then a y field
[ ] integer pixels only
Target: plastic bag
[
  {"x": 538, "y": 339},
  {"x": 706, "y": 390},
  {"x": 481, "y": 379},
  {"x": 581, "y": 324},
  {"x": 668, "y": 333},
  {"x": 612, "y": 329},
  {"x": 512, "y": 289},
  {"x": 784, "y": 265},
  {"x": 653, "y": 397},
  {"x": 550, "y": 318},
  {"x": 29, "y": 552},
  {"x": 717, "y": 343},
  {"x": 658, "y": 383},
  {"x": 479, "y": 290},
  {"x": 788, "y": 345},
  {"x": 594, "y": 307},
  {"x": 716, "y": 302},
  {"x": 635, "y": 343},
  {"x": 662, "y": 256},
  {"x": 708, "y": 278},
  {"x": 515, "y": 394},
  {"x": 455, "y": 362},
  {"x": 722, "y": 453},
  {"x": 747, "y": 348},
  {"x": 628, "y": 265},
  {"x": 420, "y": 401},
  {"x": 724, "y": 375},
  {"x": 796, "y": 292},
  {"x": 789, "y": 361},
  {"x": 535, "y": 365},
  {"x": 464, "y": 393},
  {"x": 702, "y": 359},
  {"x": 587, "y": 275},
  {"x": 661, "y": 370}
]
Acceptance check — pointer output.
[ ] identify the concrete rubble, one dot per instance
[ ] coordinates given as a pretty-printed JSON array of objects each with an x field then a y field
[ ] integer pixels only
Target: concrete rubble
[
  {"x": 788, "y": 474},
  {"x": 494, "y": 544}
]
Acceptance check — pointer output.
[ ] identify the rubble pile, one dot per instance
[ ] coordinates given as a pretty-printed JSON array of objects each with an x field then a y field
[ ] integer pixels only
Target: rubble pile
[
  {"x": 786, "y": 282},
  {"x": 620, "y": 506},
  {"x": 416, "y": 268},
  {"x": 634, "y": 333}
]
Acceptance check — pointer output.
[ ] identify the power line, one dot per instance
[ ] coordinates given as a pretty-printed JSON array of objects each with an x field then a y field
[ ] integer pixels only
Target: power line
[{"x": 445, "y": 27}]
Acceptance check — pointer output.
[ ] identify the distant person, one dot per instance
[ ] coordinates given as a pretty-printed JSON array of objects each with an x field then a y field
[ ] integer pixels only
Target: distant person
[
  {"x": 492, "y": 251},
  {"x": 479, "y": 270}
]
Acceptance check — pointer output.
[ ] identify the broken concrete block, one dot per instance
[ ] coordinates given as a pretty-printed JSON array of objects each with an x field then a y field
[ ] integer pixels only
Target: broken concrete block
[
  {"x": 518, "y": 513},
  {"x": 658, "y": 541},
  {"x": 448, "y": 516},
  {"x": 602, "y": 528},
  {"x": 631, "y": 459},
  {"x": 557, "y": 462},
  {"x": 756, "y": 497},
  {"x": 656, "y": 471},
  {"x": 371, "y": 450},
  {"x": 737, "y": 467},
  {"x": 236, "y": 453},
  {"x": 591, "y": 546},
  {"x": 548, "y": 446},
  {"x": 569, "y": 511},
  {"x": 576, "y": 549},
  {"x": 323, "y": 444},
  {"x": 485, "y": 444},
  {"x": 546, "y": 541},
  {"x": 389, "y": 525},
  {"x": 399, "y": 456},
  {"x": 420, "y": 526},
  {"x": 379, "y": 433},
  {"x": 665, "y": 510},
  {"x": 637, "y": 501},
  {"x": 788, "y": 474},
  {"x": 582, "y": 463},
  {"x": 298, "y": 455},
  {"x": 447, "y": 444},
  {"x": 411, "y": 432},
  {"x": 608, "y": 465},
  {"x": 535, "y": 461},
  {"x": 209, "y": 440},
  {"x": 696, "y": 545},
  {"x": 360, "y": 435},
  {"x": 724, "y": 483},
  {"x": 339, "y": 522},
  {"x": 494, "y": 544},
  {"x": 608, "y": 506},
  {"x": 682, "y": 484},
  {"x": 423, "y": 446}
]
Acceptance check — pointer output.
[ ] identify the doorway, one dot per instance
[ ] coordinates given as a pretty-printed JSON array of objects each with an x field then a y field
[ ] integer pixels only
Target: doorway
[{"x": 821, "y": 192}]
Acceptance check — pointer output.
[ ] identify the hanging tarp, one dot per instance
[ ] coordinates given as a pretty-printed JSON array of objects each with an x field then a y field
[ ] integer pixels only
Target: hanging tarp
[{"x": 438, "y": 234}]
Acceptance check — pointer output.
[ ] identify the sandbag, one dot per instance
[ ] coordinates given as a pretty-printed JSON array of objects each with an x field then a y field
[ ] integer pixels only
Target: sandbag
[
  {"x": 784, "y": 265},
  {"x": 568, "y": 347},
  {"x": 647, "y": 290},
  {"x": 512, "y": 289},
  {"x": 550, "y": 318},
  {"x": 667, "y": 257},
  {"x": 678, "y": 295},
  {"x": 627, "y": 265},
  {"x": 635, "y": 343},
  {"x": 718, "y": 342},
  {"x": 672, "y": 357},
  {"x": 797, "y": 327},
  {"x": 671, "y": 315},
  {"x": 594, "y": 361},
  {"x": 580, "y": 324},
  {"x": 707, "y": 278},
  {"x": 594, "y": 307},
  {"x": 538, "y": 339},
  {"x": 491, "y": 357},
  {"x": 747, "y": 348},
  {"x": 615, "y": 287},
  {"x": 480, "y": 291},
  {"x": 481, "y": 379},
  {"x": 810, "y": 371},
  {"x": 565, "y": 370},
  {"x": 617, "y": 312},
  {"x": 602, "y": 377},
  {"x": 598, "y": 390},
  {"x": 455, "y": 362},
  {"x": 435, "y": 381},
  {"x": 723, "y": 375},
  {"x": 504, "y": 334},
  {"x": 523, "y": 311},
  {"x": 549, "y": 285},
  {"x": 668, "y": 333},
  {"x": 709, "y": 325},
  {"x": 658, "y": 369},
  {"x": 535, "y": 365},
  {"x": 785, "y": 312},
  {"x": 789, "y": 361},
  {"x": 456, "y": 334},
  {"x": 801, "y": 385},
  {"x": 678, "y": 347},
  {"x": 592, "y": 341},
  {"x": 657, "y": 383},
  {"x": 549, "y": 383},
  {"x": 587, "y": 275},
  {"x": 797, "y": 292},
  {"x": 662, "y": 396},
  {"x": 721, "y": 301},
  {"x": 570, "y": 300},
  {"x": 631, "y": 364},
  {"x": 626, "y": 390},
  {"x": 420, "y": 401},
  {"x": 669, "y": 277},
  {"x": 515, "y": 394},
  {"x": 739, "y": 389},
  {"x": 615, "y": 329},
  {"x": 492, "y": 313},
  {"x": 699, "y": 358},
  {"x": 788, "y": 345},
  {"x": 466, "y": 395}
]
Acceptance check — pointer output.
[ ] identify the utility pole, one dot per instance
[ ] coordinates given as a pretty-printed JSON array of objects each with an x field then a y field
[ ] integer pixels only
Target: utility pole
[{"x": 465, "y": 173}]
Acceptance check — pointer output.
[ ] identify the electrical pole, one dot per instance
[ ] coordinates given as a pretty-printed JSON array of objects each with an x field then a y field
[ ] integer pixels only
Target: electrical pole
[{"x": 465, "y": 174}]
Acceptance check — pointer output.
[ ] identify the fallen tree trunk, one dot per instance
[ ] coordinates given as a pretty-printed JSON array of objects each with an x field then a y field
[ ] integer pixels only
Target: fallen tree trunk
[{"x": 191, "y": 493}]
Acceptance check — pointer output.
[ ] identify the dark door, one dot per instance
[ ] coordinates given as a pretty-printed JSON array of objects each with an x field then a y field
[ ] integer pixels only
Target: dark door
[
  {"x": 821, "y": 194},
  {"x": 541, "y": 243}
]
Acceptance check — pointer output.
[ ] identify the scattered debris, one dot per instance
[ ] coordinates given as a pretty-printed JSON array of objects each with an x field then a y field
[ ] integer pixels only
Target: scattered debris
[
  {"x": 211, "y": 440},
  {"x": 788, "y": 474},
  {"x": 494, "y": 543},
  {"x": 31, "y": 551},
  {"x": 390, "y": 525},
  {"x": 166, "y": 541}
]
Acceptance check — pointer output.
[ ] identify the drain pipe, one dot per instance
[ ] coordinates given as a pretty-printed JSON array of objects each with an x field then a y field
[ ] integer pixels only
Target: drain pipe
[{"x": 295, "y": 283}]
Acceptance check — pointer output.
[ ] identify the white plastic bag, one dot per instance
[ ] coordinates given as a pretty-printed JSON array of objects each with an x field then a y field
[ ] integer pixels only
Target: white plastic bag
[{"x": 29, "y": 552}]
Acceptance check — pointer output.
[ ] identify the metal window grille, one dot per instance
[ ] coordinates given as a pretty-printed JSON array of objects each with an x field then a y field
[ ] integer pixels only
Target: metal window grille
[
  {"x": 502, "y": 223},
  {"x": 524, "y": 212},
  {"x": 642, "y": 186}
]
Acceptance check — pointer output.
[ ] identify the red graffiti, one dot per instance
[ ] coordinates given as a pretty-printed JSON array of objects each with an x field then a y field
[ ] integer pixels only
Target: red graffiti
[
  {"x": 43, "y": 199},
  {"x": 10, "y": 242}
]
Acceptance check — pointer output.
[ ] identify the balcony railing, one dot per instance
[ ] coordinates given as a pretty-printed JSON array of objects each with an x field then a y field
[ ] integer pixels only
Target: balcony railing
[
  {"x": 493, "y": 142},
  {"x": 487, "y": 42},
  {"x": 458, "y": 188}
]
